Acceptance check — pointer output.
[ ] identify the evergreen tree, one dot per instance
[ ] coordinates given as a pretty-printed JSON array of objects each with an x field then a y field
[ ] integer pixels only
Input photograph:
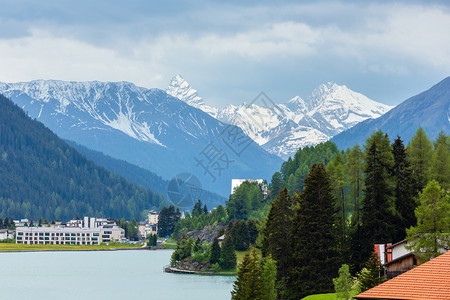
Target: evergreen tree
[
  {"x": 420, "y": 157},
  {"x": 198, "y": 245},
  {"x": 268, "y": 279},
  {"x": 167, "y": 220},
  {"x": 369, "y": 276},
  {"x": 248, "y": 284},
  {"x": 378, "y": 209},
  {"x": 432, "y": 232},
  {"x": 228, "y": 254},
  {"x": 252, "y": 226},
  {"x": 216, "y": 252},
  {"x": 440, "y": 167},
  {"x": 405, "y": 202},
  {"x": 240, "y": 236},
  {"x": 277, "y": 235},
  {"x": 336, "y": 171},
  {"x": 314, "y": 257}
]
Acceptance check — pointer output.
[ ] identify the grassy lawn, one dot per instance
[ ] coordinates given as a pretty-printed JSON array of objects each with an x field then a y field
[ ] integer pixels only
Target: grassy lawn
[
  {"x": 6, "y": 247},
  {"x": 331, "y": 296}
]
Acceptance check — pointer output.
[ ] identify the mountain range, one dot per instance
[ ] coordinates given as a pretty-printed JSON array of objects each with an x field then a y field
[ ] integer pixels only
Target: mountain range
[
  {"x": 146, "y": 127},
  {"x": 282, "y": 129},
  {"x": 429, "y": 110},
  {"x": 42, "y": 176}
]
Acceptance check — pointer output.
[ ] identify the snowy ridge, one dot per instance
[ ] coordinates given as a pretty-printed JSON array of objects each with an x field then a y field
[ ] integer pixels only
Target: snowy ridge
[
  {"x": 282, "y": 129},
  {"x": 112, "y": 104},
  {"x": 181, "y": 89}
]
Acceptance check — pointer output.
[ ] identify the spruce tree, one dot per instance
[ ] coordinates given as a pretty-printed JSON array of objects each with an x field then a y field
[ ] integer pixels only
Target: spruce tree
[
  {"x": 405, "y": 202},
  {"x": 240, "y": 236},
  {"x": 228, "y": 254},
  {"x": 314, "y": 256},
  {"x": 369, "y": 276},
  {"x": 268, "y": 278},
  {"x": 216, "y": 252},
  {"x": 277, "y": 234},
  {"x": 248, "y": 284},
  {"x": 420, "y": 157},
  {"x": 378, "y": 208}
]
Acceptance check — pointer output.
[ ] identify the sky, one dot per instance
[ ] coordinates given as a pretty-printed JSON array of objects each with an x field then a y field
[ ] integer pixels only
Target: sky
[{"x": 231, "y": 51}]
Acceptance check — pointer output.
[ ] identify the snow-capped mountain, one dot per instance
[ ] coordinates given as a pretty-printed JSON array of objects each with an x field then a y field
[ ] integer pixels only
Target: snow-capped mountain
[
  {"x": 282, "y": 129},
  {"x": 181, "y": 89},
  {"x": 429, "y": 110},
  {"x": 146, "y": 127}
]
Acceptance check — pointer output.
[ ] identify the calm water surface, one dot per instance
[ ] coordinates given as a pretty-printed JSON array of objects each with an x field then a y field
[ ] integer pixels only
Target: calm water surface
[{"x": 103, "y": 275}]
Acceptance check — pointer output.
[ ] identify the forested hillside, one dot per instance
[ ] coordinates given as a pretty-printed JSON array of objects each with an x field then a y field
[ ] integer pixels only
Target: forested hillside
[
  {"x": 140, "y": 175},
  {"x": 42, "y": 176}
]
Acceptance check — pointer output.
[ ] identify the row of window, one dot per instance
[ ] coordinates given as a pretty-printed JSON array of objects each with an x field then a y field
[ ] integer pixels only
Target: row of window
[
  {"x": 67, "y": 238},
  {"x": 58, "y": 234}
]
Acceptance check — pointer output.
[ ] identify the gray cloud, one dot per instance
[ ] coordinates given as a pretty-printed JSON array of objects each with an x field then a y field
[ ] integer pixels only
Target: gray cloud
[{"x": 231, "y": 51}]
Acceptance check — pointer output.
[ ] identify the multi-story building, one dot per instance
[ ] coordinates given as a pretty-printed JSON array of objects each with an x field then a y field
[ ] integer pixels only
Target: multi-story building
[{"x": 88, "y": 234}]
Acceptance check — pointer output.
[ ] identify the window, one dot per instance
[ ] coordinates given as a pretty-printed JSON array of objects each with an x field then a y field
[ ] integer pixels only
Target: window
[
  {"x": 41, "y": 234},
  {"x": 95, "y": 234},
  {"x": 20, "y": 233},
  {"x": 108, "y": 232},
  {"x": 47, "y": 234},
  {"x": 73, "y": 234}
]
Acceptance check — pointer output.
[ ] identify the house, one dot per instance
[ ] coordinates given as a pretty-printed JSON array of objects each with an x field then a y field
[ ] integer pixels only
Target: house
[
  {"x": 6, "y": 234},
  {"x": 401, "y": 261},
  {"x": 220, "y": 239},
  {"x": 429, "y": 281}
]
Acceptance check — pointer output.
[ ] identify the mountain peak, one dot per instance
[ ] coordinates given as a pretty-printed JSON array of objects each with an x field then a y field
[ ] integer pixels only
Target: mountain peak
[{"x": 181, "y": 89}]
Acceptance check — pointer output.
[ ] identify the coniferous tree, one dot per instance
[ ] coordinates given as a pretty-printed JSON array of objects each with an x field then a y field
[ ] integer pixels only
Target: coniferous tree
[
  {"x": 420, "y": 157},
  {"x": 240, "y": 236},
  {"x": 432, "y": 232},
  {"x": 336, "y": 171},
  {"x": 405, "y": 202},
  {"x": 277, "y": 234},
  {"x": 378, "y": 208},
  {"x": 228, "y": 254},
  {"x": 248, "y": 284},
  {"x": 268, "y": 279},
  {"x": 369, "y": 276},
  {"x": 440, "y": 166},
  {"x": 252, "y": 226},
  {"x": 216, "y": 252},
  {"x": 314, "y": 256}
]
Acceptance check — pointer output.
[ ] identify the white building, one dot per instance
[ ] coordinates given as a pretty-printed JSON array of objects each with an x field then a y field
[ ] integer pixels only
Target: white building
[
  {"x": 237, "y": 182},
  {"x": 6, "y": 234},
  {"x": 78, "y": 232},
  {"x": 153, "y": 217}
]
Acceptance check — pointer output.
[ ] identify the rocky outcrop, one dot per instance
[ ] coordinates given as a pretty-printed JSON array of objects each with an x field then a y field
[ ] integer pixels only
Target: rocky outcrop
[
  {"x": 207, "y": 234},
  {"x": 190, "y": 264}
]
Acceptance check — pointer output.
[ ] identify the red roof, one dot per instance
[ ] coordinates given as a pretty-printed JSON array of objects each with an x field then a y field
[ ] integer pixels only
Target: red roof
[{"x": 430, "y": 280}]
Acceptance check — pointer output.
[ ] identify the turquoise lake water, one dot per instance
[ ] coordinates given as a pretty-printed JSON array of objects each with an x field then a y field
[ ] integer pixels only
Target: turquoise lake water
[{"x": 103, "y": 275}]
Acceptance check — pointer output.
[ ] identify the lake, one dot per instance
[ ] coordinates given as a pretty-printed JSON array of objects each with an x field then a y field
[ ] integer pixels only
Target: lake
[{"x": 103, "y": 275}]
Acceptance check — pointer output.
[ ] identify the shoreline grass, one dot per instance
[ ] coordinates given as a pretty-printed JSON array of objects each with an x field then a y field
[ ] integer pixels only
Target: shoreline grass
[{"x": 8, "y": 247}]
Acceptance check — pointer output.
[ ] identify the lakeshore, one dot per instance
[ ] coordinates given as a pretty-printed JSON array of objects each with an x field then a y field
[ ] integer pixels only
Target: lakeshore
[{"x": 11, "y": 247}]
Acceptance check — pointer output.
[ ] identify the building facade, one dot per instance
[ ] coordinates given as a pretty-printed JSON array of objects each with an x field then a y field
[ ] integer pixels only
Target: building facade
[{"x": 88, "y": 232}]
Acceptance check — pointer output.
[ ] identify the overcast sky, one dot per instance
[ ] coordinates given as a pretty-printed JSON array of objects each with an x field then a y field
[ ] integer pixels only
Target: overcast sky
[{"x": 231, "y": 51}]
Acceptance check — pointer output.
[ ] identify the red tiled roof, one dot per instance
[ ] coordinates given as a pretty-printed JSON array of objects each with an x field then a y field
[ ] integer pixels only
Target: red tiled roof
[{"x": 429, "y": 281}]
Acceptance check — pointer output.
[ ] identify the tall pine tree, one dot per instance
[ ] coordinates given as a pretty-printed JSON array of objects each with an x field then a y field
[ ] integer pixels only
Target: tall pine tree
[
  {"x": 378, "y": 207},
  {"x": 405, "y": 202},
  {"x": 420, "y": 157},
  {"x": 315, "y": 259},
  {"x": 277, "y": 235}
]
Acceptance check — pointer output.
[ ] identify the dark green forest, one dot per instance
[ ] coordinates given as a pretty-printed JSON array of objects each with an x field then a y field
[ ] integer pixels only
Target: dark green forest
[{"x": 42, "y": 176}]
